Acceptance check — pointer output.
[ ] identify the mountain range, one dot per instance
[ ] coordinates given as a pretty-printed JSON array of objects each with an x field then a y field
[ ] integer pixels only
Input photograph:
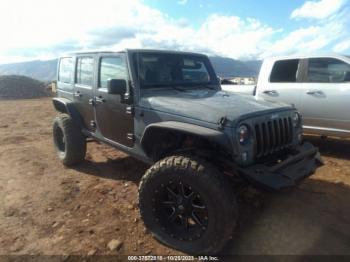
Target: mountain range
[{"x": 46, "y": 70}]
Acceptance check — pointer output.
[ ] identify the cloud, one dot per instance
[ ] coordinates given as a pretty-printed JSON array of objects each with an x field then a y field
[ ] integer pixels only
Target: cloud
[
  {"x": 342, "y": 46},
  {"x": 47, "y": 28},
  {"x": 182, "y": 2},
  {"x": 318, "y": 9}
]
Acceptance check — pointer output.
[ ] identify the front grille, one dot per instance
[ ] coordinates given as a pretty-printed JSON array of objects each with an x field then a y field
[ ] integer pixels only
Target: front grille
[{"x": 273, "y": 135}]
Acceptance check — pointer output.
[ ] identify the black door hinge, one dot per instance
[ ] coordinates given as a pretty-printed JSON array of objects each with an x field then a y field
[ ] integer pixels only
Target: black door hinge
[
  {"x": 93, "y": 124},
  {"x": 130, "y": 110},
  {"x": 130, "y": 136}
]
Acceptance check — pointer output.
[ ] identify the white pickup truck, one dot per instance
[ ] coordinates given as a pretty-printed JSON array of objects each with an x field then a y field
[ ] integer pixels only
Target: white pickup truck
[{"x": 318, "y": 86}]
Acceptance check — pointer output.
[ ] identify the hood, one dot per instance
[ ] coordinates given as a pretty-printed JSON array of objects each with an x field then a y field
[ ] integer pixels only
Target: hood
[{"x": 208, "y": 105}]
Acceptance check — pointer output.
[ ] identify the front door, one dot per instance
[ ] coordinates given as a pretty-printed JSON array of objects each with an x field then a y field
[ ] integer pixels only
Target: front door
[
  {"x": 113, "y": 116},
  {"x": 83, "y": 91},
  {"x": 283, "y": 83},
  {"x": 326, "y": 95}
]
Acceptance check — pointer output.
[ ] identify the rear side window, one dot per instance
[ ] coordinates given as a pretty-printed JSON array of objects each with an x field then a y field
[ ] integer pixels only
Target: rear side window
[
  {"x": 85, "y": 69},
  {"x": 65, "y": 72},
  {"x": 285, "y": 71},
  {"x": 111, "y": 68},
  {"x": 328, "y": 70}
]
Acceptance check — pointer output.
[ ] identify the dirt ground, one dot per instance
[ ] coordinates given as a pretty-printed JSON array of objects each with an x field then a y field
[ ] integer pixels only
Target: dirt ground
[{"x": 48, "y": 209}]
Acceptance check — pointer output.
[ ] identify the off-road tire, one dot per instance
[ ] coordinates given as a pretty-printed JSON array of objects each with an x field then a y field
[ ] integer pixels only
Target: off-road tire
[
  {"x": 213, "y": 187},
  {"x": 69, "y": 142}
]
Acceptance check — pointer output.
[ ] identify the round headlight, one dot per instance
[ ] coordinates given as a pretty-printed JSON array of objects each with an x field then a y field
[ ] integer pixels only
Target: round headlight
[
  {"x": 243, "y": 133},
  {"x": 296, "y": 119}
]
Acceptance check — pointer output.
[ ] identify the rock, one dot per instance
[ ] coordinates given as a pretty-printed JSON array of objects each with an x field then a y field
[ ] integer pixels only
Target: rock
[
  {"x": 140, "y": 242},
  {"x": 55, "y": 224},
  {"x": 77, "y": 207},
  {"x": 135, "y": 220},
  {"x": 85, "y": 220},
  {"x": 10, "y": 212},
  {"x": 114, "y": 244},
  {"x": 104, "y": 191},
  {"x": 92, "y": 252},
  {"x": 50, "y": 209},
  {"x": 130, "y": 207}
]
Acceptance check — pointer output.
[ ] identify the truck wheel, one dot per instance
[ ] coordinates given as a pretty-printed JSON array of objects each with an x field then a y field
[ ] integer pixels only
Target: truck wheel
[
  {"x": 188, "y": 204},
  {"x": 70, "y": 144}
]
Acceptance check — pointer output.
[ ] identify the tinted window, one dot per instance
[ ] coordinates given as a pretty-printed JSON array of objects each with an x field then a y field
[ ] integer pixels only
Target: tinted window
[
  {"x": 285, "y": 71},
  {"x": 328, "y": 70},
  {"x": 112, "y": 68},
  {"x": 65, "y": 72},
  {"x": 169, "y": 69},
  {"x": 85, "y": 69}
]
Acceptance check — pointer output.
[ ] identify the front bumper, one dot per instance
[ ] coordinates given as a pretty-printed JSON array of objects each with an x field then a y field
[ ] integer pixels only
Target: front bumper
[{"x": 301, "y": 163}]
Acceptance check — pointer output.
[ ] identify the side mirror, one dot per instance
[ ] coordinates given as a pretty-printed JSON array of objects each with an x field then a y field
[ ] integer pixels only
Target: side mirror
[
  {"x": 347, "y": 76},
  {"x": 116, "y": 86}
]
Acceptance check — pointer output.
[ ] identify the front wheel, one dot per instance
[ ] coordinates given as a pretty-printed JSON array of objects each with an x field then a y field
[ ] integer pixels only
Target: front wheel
[
  {"x": 188, "y": 204},
  {"x": 69, "y": 142}
]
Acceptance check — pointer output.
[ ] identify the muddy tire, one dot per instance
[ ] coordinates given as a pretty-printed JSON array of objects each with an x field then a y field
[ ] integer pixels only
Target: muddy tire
[
  {"x": 188, "y": 204},
  {"x": 69, "y": 142}
]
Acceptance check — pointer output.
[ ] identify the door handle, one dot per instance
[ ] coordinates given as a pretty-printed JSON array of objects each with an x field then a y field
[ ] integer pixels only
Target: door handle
[
  {"x": 270, "y": 92},
  {"x": 314, "y": 92},
  {"x": 77, "y": 94},
  {"x": 100, "y": 99},
  {"x": 91, "y": 102}
]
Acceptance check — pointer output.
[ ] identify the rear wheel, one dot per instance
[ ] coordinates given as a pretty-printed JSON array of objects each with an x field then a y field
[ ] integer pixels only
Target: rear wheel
[
  {"x": 69, "y": 142},
  {"x": 188, "y": 204}
]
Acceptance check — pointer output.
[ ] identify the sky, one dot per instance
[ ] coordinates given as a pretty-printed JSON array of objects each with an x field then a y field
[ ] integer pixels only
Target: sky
[{"x": 239, "y": 29}]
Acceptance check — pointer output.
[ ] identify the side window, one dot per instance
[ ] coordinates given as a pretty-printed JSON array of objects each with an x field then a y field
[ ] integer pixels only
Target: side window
[
  {"x": 65, "y": 72},
  {"x": 285, "y": 71},
  {"x": 111, "y": 68},
  {"x": 85, "y": 70},
  {"x": 328, "y": 70}
]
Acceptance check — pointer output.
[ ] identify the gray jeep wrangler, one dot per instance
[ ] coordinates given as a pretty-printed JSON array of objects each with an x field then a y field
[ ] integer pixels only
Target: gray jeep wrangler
[{"x": 167, "y": 109}]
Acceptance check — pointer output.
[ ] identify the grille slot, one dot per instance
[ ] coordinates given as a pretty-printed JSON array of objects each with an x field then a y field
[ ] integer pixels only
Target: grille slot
[{"x": 273, "y": 135}]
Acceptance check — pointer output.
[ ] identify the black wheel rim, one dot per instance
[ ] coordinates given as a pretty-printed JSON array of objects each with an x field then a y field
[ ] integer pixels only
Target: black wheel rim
[
  {"x": 59, "y": 139},
  {"x": 180, "y": 211}
]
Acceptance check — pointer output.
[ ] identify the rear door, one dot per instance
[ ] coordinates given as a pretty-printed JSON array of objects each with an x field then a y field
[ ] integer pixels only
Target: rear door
[
  {"x": 281, "y": 82},
  {"x": 326, "y": 95},
  {"x": 114, "y": 116},
  {"x": 83, "y": 91}
]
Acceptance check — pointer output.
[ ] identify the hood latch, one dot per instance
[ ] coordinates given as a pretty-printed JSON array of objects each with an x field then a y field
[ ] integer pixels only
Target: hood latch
[{"x": 222, "y": 122}]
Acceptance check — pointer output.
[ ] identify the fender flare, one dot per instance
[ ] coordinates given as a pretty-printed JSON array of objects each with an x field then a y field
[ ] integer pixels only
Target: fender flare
[
  {"x": 211, "y": 135},
  {"x": 66, "y": 106}
]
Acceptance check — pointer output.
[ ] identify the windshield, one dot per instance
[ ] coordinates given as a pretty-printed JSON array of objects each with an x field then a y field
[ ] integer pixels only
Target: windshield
[{"x": 164, "y": 69}]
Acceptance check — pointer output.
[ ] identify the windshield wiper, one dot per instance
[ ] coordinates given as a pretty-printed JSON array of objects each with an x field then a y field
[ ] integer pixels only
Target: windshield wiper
[
  {"x": 206, "y": 86},
  {"x": 163, "y": 86},
  {"x": 178, "y": 88}
]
